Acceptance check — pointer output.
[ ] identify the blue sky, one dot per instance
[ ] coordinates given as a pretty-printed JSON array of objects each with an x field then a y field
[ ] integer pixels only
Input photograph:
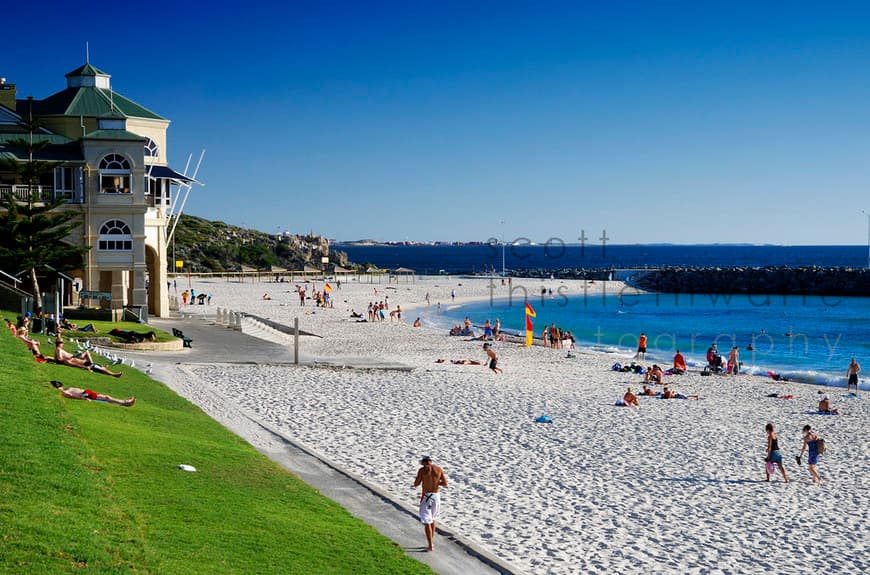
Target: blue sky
[{"x": 684, "y": 122}]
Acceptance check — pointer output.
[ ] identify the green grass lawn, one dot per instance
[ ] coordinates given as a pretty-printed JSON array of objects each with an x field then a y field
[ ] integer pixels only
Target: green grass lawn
[
  {"x": 104, "y": 327},
  {"x": 92, "y": 487}
]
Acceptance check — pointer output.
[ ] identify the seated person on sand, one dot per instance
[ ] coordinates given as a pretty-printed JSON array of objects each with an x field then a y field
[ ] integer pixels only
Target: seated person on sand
[
  {"x": 90, "y": 395},
  {"x": 418, "y": 323},
  {"x": 63, "y": 357},
  {"x": 647, "y": 391},
  {"x": 679, "y": 364},
  {"x": 355, "y": 315},
  {"x": 714, "y": 360},
  {"x": 266, "y": 296},
  {"x": 825, "y": 406},
  {"x": 654, "y": 374},
  {"x": 456, "y": 330},
  {"x": 630, "y": 399},
  {"x": 487, "y": 331}
]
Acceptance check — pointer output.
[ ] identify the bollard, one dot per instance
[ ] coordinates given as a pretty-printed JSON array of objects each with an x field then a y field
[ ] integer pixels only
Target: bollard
[{"x": 296, "y": 340}]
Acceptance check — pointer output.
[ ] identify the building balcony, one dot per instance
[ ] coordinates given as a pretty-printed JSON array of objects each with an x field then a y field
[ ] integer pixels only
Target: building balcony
[{"x": 23, "y": 192}]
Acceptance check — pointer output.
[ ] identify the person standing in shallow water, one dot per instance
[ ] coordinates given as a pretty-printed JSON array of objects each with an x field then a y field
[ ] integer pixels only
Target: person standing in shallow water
[
  {"x": 432, "y": 478},
  {"x": 852, "y": 375},
  {"x": 773, "y": 454}
]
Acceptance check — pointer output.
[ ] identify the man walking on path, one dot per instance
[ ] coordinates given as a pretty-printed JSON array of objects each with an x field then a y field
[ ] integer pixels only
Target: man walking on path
[
  {"x": 432, "y": 479},
  {"x": 852, "y": 375}
]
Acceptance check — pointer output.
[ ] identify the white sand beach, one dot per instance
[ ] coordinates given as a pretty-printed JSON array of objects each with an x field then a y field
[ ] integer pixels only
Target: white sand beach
[{"x": 671, "y": 487}]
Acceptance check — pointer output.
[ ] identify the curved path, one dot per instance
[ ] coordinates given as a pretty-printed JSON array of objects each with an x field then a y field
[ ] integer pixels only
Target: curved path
[{"x": 217, "y": 344}]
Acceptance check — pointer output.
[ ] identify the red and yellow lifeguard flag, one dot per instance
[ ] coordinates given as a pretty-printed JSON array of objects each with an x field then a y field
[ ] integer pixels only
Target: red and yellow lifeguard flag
[
  {"x": 327, "y": 287},
  {"x": 530, "y": 329}
]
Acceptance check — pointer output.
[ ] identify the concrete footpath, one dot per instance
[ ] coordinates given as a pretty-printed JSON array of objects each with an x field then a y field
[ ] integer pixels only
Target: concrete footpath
[{"x": 395, "y": 520}]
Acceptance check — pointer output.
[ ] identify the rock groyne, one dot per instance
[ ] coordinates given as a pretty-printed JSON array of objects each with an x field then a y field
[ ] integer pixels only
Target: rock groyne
[{"x": 765, "y": 280}]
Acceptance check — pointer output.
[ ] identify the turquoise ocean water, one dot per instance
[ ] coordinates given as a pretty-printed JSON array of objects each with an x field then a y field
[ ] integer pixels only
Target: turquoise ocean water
[{"x": 807, "y": 339}]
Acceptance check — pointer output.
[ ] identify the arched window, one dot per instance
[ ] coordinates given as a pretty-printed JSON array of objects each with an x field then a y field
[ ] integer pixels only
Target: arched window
[
  {"x": 151, "y": 149},
  {"x": 115, "y": 174},
  {"x": 115, "y": 236}
]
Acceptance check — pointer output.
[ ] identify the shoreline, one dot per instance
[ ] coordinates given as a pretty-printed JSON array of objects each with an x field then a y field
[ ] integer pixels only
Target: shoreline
[{"x": 619, "y": 475}]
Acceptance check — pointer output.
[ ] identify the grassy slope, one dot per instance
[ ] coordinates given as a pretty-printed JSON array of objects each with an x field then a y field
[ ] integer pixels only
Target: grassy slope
[{"x": 87, "y": 485}]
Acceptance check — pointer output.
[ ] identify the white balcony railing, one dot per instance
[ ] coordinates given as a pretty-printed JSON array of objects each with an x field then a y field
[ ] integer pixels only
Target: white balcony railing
[{"x": 22, "y": 193}]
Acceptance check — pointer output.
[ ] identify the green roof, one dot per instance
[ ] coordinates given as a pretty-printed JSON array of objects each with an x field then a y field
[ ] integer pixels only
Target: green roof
[
  {"x": 6, "y": 137},
  {"x": 87, "y": 70},
  {"x": 91, "y": 102},
  {"x": 113, "y": 135}
]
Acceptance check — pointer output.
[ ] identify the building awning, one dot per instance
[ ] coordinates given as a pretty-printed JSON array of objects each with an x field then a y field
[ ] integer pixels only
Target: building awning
[{"x": 167, "y": 173}]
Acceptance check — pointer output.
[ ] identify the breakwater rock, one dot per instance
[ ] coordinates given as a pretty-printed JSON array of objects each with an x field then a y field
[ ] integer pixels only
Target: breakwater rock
[{"x": 764, "y": 280}]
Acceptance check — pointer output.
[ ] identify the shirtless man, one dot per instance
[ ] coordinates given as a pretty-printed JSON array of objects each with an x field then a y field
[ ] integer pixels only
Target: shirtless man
[
  {"x": 825, "y": 406},
  {"x": 493, "y": 358},
  {"x": 32, "y": 344},
  {"x": 432, "y": 478},
  {"x": 90, "y": 395},
  {"x": 852, "y": 375},
  {"x": 61, "y": 355},
  {"x": 64, "y": 357},
  {"x": 734, "y": 361}
]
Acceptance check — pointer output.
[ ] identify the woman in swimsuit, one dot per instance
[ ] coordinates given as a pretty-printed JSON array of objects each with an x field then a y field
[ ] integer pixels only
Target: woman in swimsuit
[{"x": 773, "y": 455}]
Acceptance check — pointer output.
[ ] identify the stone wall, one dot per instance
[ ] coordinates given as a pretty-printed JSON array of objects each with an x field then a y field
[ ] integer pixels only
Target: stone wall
[{"x": 767, "y": 280}]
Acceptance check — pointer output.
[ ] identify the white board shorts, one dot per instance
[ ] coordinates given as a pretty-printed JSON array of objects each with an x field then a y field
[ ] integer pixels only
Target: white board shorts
[{"x": 430, "y": 507}]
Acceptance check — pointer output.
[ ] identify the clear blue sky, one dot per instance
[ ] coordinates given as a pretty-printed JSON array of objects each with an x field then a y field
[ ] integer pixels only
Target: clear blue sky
[{"x": 687, "y": 122}]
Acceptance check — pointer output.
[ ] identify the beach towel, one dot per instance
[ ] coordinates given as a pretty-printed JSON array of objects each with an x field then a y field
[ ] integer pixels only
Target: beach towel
[
  {"x": 619, "y": 403},
  {"x": 543, "y": 419},
  {"x": 852, "y": 395},
  {"x": 820, "y": 413}
]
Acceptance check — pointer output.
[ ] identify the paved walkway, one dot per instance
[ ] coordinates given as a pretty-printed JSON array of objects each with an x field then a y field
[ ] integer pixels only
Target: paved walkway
[{"x": 218, "y": 344}]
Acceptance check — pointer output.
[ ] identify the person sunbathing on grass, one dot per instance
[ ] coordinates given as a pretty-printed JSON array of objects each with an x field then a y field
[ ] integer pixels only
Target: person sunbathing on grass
[
  {"x": 63, "y": 357},
  {"x": 90, "y": 395},
  {"x": 31, "y": 344}
]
